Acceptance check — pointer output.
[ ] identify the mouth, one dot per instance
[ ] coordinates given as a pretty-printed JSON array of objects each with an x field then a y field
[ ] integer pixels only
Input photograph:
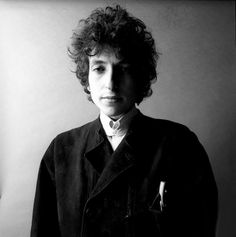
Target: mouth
[{"x": 111, "y": 99}]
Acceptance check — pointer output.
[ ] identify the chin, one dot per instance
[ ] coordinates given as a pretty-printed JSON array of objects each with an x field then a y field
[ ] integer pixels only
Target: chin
[{"x": 113, "y": 114}]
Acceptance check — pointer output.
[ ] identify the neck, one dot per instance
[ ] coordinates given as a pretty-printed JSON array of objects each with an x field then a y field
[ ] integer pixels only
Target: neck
[{"x": 117, "y": 117}]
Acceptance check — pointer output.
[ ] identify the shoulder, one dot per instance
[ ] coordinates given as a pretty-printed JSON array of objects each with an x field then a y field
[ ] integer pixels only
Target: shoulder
[
  {"x": 162, "y": 133},
  {"x": 72, "y": 141},
  {"x": 180, "y": 145},
  {"x": 165, "y": 127},
  {"x": 77, "y": 134}
]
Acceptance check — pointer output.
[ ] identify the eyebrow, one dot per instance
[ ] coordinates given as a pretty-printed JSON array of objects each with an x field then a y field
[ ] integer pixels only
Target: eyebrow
[{"x": 98, "y": 61}]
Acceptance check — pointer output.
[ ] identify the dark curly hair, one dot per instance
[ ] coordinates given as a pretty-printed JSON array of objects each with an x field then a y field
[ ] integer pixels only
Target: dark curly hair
[{"x": 127, "y": 35}]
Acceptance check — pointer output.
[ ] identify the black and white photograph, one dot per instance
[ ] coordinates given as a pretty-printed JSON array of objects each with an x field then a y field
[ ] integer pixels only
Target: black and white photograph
[{"x": 117, "y": 118}]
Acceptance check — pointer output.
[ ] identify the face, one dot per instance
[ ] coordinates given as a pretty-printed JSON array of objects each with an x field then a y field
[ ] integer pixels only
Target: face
[{"x": 111, "y": 86}]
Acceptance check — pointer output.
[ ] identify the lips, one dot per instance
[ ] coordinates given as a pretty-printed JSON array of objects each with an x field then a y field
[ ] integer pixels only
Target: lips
[{"x": 111, "y": 98}]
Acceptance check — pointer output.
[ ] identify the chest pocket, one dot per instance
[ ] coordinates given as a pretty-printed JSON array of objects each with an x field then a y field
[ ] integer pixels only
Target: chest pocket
[{"x": 144, "y": 217}]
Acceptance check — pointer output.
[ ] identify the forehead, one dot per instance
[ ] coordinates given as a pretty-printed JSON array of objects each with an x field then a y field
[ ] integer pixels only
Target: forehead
[{"x": 106, "y": 55}]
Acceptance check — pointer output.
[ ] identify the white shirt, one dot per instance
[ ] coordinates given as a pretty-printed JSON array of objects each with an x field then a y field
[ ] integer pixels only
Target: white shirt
[{"x": 116, "y": 130}]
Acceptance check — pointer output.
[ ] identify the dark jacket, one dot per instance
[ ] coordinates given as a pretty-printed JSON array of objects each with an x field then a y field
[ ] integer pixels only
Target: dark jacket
[{"x": 85, "y": 190}]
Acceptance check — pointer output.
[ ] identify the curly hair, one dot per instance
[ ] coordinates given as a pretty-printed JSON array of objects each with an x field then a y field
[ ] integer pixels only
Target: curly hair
[{"x": 127, "y": 35}]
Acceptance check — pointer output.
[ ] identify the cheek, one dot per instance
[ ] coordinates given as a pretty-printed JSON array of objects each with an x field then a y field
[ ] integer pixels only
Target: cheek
[
  {"x": 90, "y": 84},
  {"x": 129, "y": 87},
  {"x": 94, "y": 90}
]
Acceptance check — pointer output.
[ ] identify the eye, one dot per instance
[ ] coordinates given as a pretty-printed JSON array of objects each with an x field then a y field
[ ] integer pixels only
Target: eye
[
  {"x": 98, "y": 69},
  {"x": 124, "y": 68}
]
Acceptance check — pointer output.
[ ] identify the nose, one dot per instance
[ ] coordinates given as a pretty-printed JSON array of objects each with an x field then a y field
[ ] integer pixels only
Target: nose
[{"x": 111, "y": 81}]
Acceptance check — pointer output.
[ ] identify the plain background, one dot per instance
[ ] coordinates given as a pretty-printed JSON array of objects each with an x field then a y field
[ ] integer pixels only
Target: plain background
[{"x": 40, "y": 97}]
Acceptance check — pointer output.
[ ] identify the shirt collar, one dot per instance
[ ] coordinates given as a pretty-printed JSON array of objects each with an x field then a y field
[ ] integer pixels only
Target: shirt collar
[{"x": 120, "y": 126}]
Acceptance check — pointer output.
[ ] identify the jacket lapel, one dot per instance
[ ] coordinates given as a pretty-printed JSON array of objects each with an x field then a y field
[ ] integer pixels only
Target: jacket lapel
[
  {"x": 121, "y": 160},
  {"x": 95, "y": 137}
]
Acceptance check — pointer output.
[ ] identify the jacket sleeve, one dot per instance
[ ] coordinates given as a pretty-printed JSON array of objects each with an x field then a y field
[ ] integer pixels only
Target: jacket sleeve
[
  {"x": 191, "y": 193},
  {"x": 45, "y": 216}
]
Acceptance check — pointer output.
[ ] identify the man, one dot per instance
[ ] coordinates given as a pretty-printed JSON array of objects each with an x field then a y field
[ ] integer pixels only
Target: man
[{"x": 124, "y": 174}]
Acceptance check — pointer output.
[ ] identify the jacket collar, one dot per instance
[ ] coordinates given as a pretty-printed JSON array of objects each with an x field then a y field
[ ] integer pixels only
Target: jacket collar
[{"x": 97, "y": 134}]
